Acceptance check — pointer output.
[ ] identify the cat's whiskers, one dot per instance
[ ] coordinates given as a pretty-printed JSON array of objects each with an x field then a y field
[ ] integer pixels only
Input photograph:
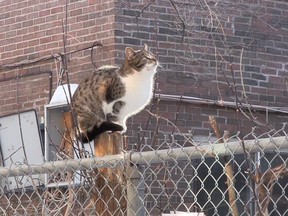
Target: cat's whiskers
[{"x": 160, "y": 66}]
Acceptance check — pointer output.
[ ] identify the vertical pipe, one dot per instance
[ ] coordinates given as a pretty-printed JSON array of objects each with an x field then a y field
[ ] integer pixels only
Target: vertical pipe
[{"x": 135, "y": 190}]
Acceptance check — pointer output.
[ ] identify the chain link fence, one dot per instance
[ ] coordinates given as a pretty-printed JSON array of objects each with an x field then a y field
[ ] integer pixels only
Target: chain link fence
[{"x": 240, "y": 176}]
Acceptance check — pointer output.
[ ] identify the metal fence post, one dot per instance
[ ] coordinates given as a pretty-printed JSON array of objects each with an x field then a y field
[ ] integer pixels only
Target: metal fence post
[{"x": 135, "y": 190}]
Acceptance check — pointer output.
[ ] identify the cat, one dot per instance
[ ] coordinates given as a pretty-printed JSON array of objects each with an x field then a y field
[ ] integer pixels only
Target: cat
[{"x": 104, "y": 100}]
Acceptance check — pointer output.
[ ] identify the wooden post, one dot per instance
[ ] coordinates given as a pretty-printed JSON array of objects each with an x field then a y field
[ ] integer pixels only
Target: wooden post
[
  {"x": 108, "y": 197},
  {"x": 110, "y": 192}
]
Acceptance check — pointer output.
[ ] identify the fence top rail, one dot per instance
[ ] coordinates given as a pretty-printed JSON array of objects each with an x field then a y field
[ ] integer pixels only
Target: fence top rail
[
  {"x": 149, "y": 157},
  {"x": 109, "y": 161},
  {"x": 210, "y": 150}
]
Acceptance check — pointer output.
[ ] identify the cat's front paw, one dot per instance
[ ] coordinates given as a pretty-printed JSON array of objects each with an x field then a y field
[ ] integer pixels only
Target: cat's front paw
[
  {"x": 124, "y": 129},
  {"x": 111, "y": 126},
  {"x": 123, "y": 126}
]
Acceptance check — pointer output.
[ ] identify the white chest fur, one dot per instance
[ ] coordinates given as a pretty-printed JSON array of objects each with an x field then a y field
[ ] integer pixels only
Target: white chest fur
[
  {"x": 139, "y": 91},
  {"x": 138, "y": 94}
]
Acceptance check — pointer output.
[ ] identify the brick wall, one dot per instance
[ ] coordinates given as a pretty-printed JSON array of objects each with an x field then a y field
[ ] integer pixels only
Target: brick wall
[
  {"x": 241, "y": 50},
  {"x": 31, "y": 30},
  {"x": 241, "y": 46}
]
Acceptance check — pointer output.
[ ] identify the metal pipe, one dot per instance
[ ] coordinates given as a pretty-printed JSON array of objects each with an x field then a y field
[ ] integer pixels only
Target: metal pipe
[
  {"x": 210, "y": 102},
  {"x": 209, "y": 150},
  {"x": 70, "y": 165},
  {"x": 150, "y": 157},
  {"x": 135, "y": 190}
]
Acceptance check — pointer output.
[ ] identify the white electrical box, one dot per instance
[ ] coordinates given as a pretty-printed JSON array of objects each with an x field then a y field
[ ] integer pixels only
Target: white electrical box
[
  {"x": 20, "y": 143},
  {"x": 54, "y": 132},
  {"x": 55, "y": 129}
]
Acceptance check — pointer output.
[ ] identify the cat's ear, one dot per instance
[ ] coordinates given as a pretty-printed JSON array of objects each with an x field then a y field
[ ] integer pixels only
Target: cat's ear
[
  {"x": 129, "y": 53},
  {"x": 145, "y": 47}
]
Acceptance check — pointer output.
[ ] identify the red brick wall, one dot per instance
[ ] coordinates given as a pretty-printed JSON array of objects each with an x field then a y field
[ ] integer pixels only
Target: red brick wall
[
  {"x": 206, "y": 65},
  {"x": 193, "y": 68},
  {"x": 26, "y": 92},
  {"x": 33, "y": 29}
]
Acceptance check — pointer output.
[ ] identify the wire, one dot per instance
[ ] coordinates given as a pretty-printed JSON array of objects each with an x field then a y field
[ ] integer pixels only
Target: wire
[{"x": 26, "y": 63}]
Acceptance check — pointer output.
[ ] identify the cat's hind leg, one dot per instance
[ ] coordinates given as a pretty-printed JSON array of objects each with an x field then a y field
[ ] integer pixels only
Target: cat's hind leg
[
  {"x": 117, "y": 106},
  {"x": 116, "y": 115},
  {"x": 99, "y": 128},
  {"x": 92, "y": 125}
]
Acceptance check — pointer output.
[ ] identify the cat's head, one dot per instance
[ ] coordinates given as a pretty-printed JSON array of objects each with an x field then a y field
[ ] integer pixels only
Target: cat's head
[{"x": 141, "y": 59}]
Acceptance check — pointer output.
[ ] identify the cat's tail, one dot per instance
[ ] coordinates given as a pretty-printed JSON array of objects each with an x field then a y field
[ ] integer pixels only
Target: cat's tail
[{"x": 97, "y": 129}]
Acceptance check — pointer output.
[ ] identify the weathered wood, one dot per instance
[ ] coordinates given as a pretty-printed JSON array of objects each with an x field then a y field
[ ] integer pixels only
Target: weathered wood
[
  {"x": 66, "y": 145},
  {"x": 265, "y": 183},
  {"x": 108, "y": 194},
  {"x": 110, "y": 198}
]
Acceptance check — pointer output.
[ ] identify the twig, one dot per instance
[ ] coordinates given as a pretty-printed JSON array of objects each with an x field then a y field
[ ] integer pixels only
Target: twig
[
  {"x": 156, "y": 131},
  {"x": 240, "y": 105},
  {"x": 177, "y": 113},
  {"x": 154, "y": 90},
  {"x": 181, "y": 19},
  {"x": 26, "y": 63},
  {"x": 156, "y": 35},
  {"x": 92, "y": 49},
  {"x": 70, "y": 194},
  {"x": 246, "y": 154},
  {"x": 241, "y": 73},
  {"x": 228, "y": 168},
  {"x": 145, "y": 7},
  {"x": 188, "y": 139},
  {"x": 19, "y": 120},
  {"x": 65, "y": 67},
  {"x": 265, "y": 184}
]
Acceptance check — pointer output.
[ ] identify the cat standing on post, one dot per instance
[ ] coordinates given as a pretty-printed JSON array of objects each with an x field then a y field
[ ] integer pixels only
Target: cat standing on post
[{"x": 104, "y": 100}]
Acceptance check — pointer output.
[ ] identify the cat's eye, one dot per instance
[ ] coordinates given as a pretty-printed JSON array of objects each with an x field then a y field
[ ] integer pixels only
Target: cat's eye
[
  {"x": 141, "y": 63},
  {"x": 150, "y": 57}
]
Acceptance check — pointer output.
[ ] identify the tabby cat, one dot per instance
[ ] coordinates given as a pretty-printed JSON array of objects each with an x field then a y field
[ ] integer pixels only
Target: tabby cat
[{"x": 104, "y": 100}]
